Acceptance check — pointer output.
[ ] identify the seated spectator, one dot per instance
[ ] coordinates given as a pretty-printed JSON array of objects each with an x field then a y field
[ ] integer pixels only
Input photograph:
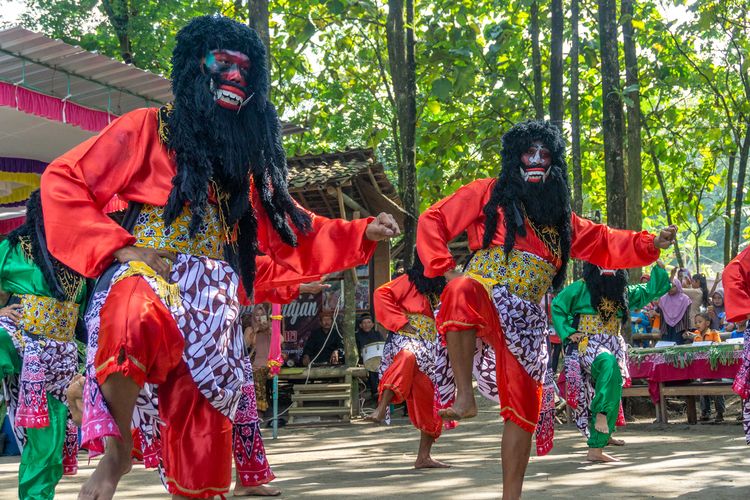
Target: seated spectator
[
  {"x": 703, "y": 331},
  {"x": 367, "y": 334},
  {"x": 324, "y": 343},
  {"x": 716, "y": 311},
  {"x": 640, "y": 321},
  {"x": 674, "y": 308}
]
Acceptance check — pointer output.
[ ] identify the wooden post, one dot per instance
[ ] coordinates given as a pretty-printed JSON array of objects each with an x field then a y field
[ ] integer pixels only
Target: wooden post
[
  {"x": 663, "y": 405},
  {"x": 350, "y": 343}
]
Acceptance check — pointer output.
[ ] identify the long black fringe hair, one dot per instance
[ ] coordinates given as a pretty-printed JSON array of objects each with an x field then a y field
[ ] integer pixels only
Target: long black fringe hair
[
  {"x": 546, "y": 203},
  {"x": 33, "y": 230},
  {"x": 602, "y": 287},
  {"x": 424, "y": 285},
  {"x": 213, "y": 144}
]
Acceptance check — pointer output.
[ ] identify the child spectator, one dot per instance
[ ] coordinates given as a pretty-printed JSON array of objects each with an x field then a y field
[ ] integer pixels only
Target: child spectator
[{"x": 704, "y": 332}]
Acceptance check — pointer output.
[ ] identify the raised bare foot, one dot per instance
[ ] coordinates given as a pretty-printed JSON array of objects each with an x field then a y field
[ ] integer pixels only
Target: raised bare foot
[
  {"x": 598, "y": 455},
  {"x": 600, "y": 424},
  {"x": 256, "y": 491},
  {"x": 75, "y": 399},
  {"x": 103, "y": 482},
  {"x": 616, "y": 442},
  {"x": 429, "y": 463},
  {"x": 462, "y": 408}
]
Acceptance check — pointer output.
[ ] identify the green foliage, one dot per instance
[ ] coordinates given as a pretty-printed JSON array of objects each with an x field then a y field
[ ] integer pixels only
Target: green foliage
[{"x": 330, "y": 74}]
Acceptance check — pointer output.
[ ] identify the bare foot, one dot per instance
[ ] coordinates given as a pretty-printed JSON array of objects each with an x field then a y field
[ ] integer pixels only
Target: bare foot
[
  {"x": 600, "y": 424},
  {"x": 256, "y": 491},
  {"x": 616, "y": 442},
  {"x": 462, "y": 408},
  {"x": 377, "y": 416},
  {"x": 103, "y": 482},
  {"x": 75, "y": 399},
  {"x": 429, "y": 463},
  {"x": 598, "y": 455}
]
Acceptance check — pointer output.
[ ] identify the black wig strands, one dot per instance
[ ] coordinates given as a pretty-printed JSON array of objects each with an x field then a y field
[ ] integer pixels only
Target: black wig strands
[
  {"x": 216, "y": 145},
  {"x": 423, "y": 284},
  {"x": 33, "y": 230},
  {"x": 545, "y": 203},
  {"x": 602, "y": 287}
]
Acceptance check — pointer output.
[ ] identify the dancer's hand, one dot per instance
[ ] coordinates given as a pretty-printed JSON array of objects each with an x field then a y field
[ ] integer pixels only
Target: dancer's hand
[
  {"x": 12, "y": 311},
  {"x": 409, "y": 328},
  {"x": 382, "y": 228},
  {"x": 666, "y": 237},
  {"x": 575, "y": 338},
  {"x": 155, "y": 259},
  {"x": 314, "y": 288}
]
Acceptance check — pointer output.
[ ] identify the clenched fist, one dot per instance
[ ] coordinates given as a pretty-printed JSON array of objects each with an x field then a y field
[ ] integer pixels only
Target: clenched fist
[
  {"x": 666, "y": 237},
  {"x": 382, "y": 228}
]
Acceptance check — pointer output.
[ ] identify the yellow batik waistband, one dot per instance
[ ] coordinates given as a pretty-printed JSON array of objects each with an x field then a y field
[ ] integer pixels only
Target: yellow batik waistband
[
  {"x": 150, "y": 232},
  {"x": 424, "y": 325},
  {"x": 524, "y": 274},
  {"x": 48, "y": 317}
]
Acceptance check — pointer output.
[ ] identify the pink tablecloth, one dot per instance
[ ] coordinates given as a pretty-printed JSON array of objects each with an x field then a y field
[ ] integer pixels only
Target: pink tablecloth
[{"x": 656, "y": 369}]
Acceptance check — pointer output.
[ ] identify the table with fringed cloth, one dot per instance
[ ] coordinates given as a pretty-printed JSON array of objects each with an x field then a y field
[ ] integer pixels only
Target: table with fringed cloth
[{"x": 668, "y": 364}]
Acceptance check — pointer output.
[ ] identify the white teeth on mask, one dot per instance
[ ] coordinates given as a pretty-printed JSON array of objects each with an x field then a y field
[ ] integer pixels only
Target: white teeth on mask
[
  {"x": 533, "y": 175},
  {"x": 228, "y": 97}
]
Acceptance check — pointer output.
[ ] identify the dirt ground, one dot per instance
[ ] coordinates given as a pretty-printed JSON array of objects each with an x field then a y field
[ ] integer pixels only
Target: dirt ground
[{"x": 360, "y": 460}]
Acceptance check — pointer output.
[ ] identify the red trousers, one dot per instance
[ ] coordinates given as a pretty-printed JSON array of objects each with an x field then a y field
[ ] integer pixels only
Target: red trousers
[
  {"x": 409, "y": 384},
  {"x": 139, "y": 338},
  {"x": 466, "y": 305}
]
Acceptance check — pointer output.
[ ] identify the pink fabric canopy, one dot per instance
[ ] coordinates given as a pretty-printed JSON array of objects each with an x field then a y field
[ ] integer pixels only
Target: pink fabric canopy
[{"x": 53, "y": 108}]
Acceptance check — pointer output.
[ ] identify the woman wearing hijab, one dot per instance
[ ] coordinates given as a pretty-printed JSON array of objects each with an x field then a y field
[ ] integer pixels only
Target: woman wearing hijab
[
  {"x": 675, "y": 313},
  {"x": 716, "y": 311}
]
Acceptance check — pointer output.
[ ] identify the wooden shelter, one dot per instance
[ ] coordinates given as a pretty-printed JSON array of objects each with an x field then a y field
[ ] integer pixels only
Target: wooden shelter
[{"x": 348, "y": 185}]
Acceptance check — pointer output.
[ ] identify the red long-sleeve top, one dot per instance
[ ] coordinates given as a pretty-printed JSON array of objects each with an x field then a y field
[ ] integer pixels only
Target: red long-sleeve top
[
  {"x": 595, "y": 243},
  {"x": 736, "y": 281},
  {"x": 128, "y": 159},
  {"x": 274, "y": 283},
  {"x": 397, "y": 298}
]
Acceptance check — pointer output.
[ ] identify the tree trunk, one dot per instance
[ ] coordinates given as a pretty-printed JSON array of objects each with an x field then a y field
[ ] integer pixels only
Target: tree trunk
[
  {"x": 402, "y": 65},
  {"x": 612, "y": 116},
  {"x": 556, "y": 112},
  {"x": 575, "y": 120},
  {"x": 664, "y": 196},
  {"x": 728, "y": 209},
  {"x": 739, "y": 195},
  {"x": 118, "y": 13},
  {"x": 349, "y": 329},
  {"x": 258, "y": 20},
  {"x": 634, "y": 179},
  {"x": 536, "y": 62}
]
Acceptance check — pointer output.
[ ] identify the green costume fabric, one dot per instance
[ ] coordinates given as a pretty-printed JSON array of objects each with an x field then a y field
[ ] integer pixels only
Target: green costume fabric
[
  {"x": 575, "y": 299},
  {"x": 41, "y": 459},
  {"x": 607, "y": 394},
  {"x": 605, "y": 372}
]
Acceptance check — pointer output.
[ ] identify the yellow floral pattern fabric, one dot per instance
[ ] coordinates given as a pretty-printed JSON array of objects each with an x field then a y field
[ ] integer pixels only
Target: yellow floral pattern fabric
[
  {"x": 524, "y": 274},
  {"x": 48, "y": 317},
  {"x": 424, "y": 325},
  {"x": 150, "y": 232},
  {"x": 593, "y": 324}
]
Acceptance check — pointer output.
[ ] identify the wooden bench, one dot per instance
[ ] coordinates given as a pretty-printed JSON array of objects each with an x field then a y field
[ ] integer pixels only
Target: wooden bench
[
  {"x": 689, "y": 390},
  {"x": 326, "y": 391}
]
